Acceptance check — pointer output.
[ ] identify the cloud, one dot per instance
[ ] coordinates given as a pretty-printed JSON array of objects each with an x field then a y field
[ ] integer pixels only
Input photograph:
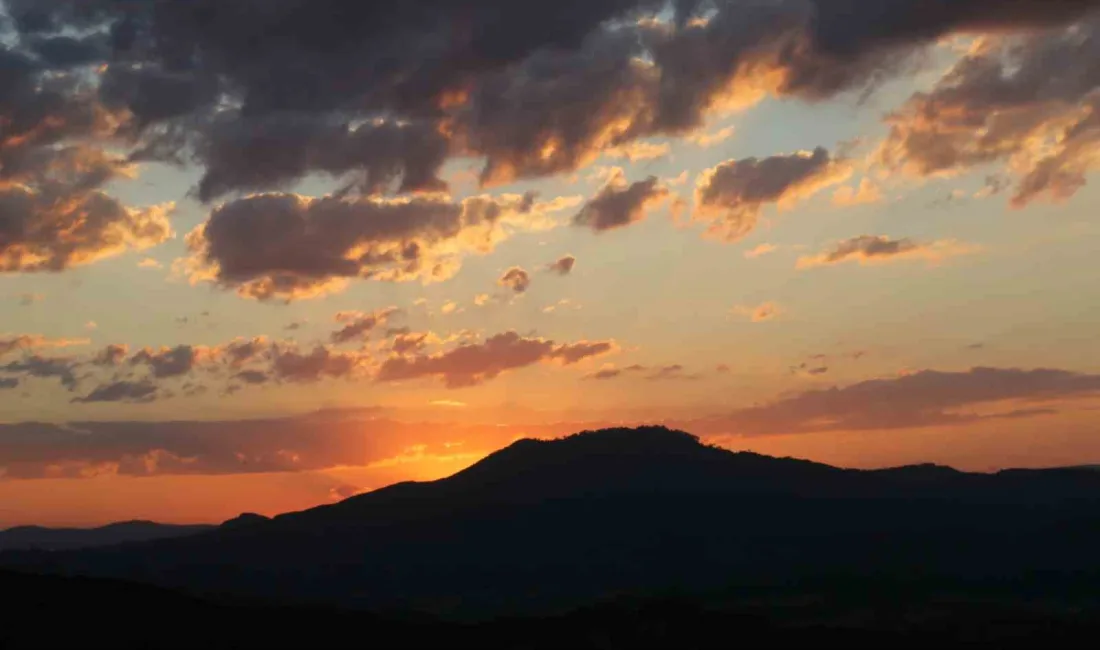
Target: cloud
[
  {"x": 359, "y": 325},
  {"x": 515, "y": 279},
  {"x": 449, "y": 307},
  {"x": 712, "y": 138},
  {"x": 1023, "y": 102},
  {"x": 481, "y": 299},
  {"x": 760, "y": 313},
  {"x": 760, "y": 251},
  {"x": 28, "y": 299},
  {"x": 563, "y": 265},
  {"x": 919, "y": 399},
  {"x": 170, "y": 362},
  {"x": 731, "y": 196},
  {"x": 473, "y": 364},
  {"x": 866, "y": 192},
  {"x": 533, "y": 89},
  {"x": 111, "y": 355},
  {"x": 674, "y": 372},
  {"x": 252, "y": 377},
  {"x": 292, "y": 365},
  {"x": 637, "y": 151},
  {"x": 61, "y": 368},
  {"x": 8, "y": 383},
  {"x": 10, "y": 344},
  {"x": 620, "y": 204},
  {"x": 121, "y": 391},
  {"x": 288, "y": 247},
  {"x": 149, "y": 263},
  {"x": 879, "y": 249}
]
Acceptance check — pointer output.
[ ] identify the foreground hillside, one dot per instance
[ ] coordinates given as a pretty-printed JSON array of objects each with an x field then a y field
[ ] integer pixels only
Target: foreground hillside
[
  {"x": 543, "y": 527},
  {"x": 52, "y": 612}
]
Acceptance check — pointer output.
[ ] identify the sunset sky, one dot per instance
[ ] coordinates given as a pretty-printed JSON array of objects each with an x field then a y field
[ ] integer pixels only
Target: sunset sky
[{"x": 265, "y": 254}]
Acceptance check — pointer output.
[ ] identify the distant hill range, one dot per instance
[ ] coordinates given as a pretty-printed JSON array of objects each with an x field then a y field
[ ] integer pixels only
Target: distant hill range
[
  {"x": 545, "y": 526},
  {"x": 63, "y": 539}
]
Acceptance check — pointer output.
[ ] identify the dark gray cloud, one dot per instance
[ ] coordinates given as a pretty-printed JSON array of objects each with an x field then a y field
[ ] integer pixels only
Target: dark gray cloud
[
  {"x": 252, "y": 377},
  {"x": 731, "y": 195},
  {"x": 8, "y": 383},
  {"x": 121, "y": 391},
  {"x": 563, "y": 265},
  {"x": 168, "y": 362},
  {"x": 61, "y": 368},
  {"x": 515, "y": 279},
  {"x": 619, "y": 204},
  {"x": 265, "y": 93},
  {"x": 293, "y": 365},
  {"x": 476, "y": 363},
  {"x": 922, "y": 399},
  {"x": 286, "y": 246}
]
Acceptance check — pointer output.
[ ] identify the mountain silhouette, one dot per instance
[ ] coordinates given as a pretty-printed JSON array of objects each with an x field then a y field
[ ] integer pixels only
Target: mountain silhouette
[
  {"x": 544, "y": 526},
  {"x": 56, "y": 539}
]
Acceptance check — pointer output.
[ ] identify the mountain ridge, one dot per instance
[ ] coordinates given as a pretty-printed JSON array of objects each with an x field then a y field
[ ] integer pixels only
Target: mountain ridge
[{"x": 545, "y": 525}]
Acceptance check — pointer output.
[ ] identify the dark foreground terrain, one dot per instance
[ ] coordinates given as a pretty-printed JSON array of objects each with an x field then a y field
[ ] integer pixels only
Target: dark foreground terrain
[
  {"x": 512, "y": 550},
  {"x": 52, "y": 612}
]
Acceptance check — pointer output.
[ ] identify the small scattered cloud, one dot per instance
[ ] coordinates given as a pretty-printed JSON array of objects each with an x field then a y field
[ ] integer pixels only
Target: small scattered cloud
[
  {"x": 563, "y": 265},
  {"x": 515, "y": 279},
  {"x": 760, "y": 251},
  {"x": 91, "y": 325},
  {"x": 760, "y": 313},
  {"x": 619, "y": 204},
  {"x": 880, "y": 249},
  {"x": 449, "y": 307},
  {"x": 481, "y": 299},
  {"x": 358, "y": 325},
  {"x": 448, "y": 403},
  {"x": 149, "y": 263},
  {"x": 730, "y": 197}
]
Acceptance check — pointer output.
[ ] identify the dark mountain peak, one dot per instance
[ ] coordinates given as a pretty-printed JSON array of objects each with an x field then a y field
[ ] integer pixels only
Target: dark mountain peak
[{"x": 245, "y": 519}]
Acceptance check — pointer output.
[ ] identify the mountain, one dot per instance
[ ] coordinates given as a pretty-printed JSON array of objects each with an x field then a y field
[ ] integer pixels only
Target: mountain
[
  {"x": 58, "y": 539},
  {"x": 544, "y": 526}
]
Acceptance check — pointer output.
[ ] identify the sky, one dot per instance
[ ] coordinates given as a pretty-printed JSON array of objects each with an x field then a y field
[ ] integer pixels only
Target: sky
[{"x": 259, "y": 256}]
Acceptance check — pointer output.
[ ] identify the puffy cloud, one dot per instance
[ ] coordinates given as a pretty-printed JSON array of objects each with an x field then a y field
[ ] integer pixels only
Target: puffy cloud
[
  {"x": 563, "y": 265},
  {"x": 919, "y": 399},
  {"x": 1026, "y": 102},
  {"x": 54, "y": 163},
  {"x": 619, "y": 204},
  {"x": 533, "y": 88},
  {"x": 289, "y": 247},
  {"x": 476, "y": 363},
  {"x": 268, "y": 152},
  {"x": 121, "y": 391},
  {"x": 359, "y": 325},
  {"x": 8, "y": 383},
  {"x": 879, "y": 249},
  {"x": 170, "y": 362},
  {"x": 731, "y": 195},
  {"x": 291, "y": 364},
  {"x": 241, "y": 352},
  {"x": 515, "y": 279}
]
